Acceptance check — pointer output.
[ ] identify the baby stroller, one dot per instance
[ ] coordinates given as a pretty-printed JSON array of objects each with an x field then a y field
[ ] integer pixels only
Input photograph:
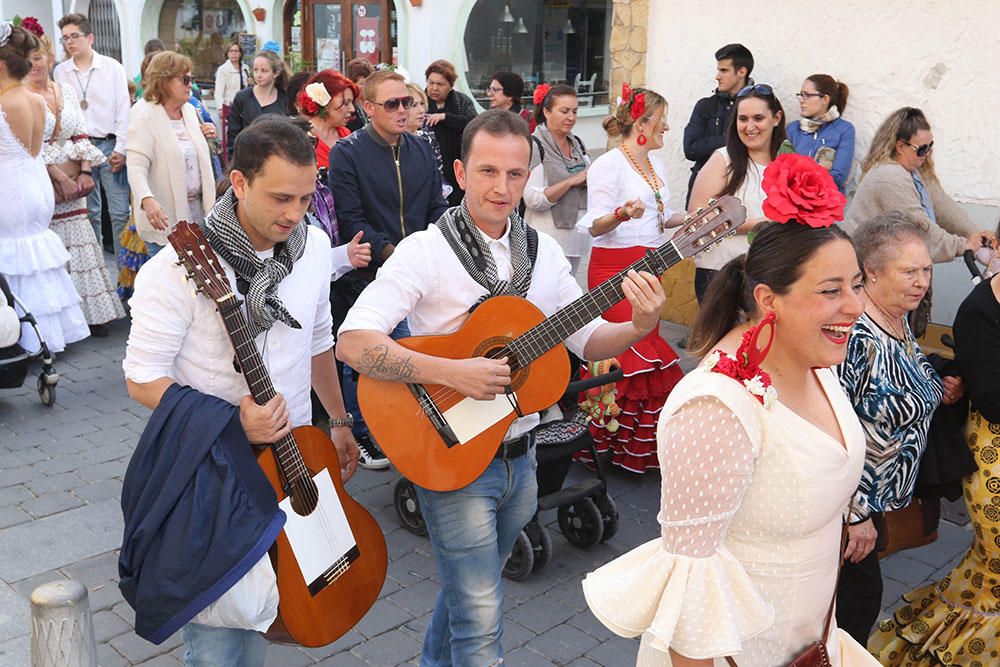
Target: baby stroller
[
  {"x": 13, "y": 358},
  {"x": 586, "y": 513}
]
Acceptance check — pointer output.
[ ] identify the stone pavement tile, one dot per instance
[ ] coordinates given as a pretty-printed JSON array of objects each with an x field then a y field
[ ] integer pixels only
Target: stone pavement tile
[
  {"x": 389, "y": 586},
  {"x": 115, "y": 417},
  {"x": 617, "y": 652},
  {"x": 404, "y": 542},
  {"x": 583, "y": 662},
  {"x": 892, "y": 591},
  {"x": 43, "y": 484},
  {"x": 345, "y": 659},
  {"x": 906, "y": 570},
  {"x": 417, "y": 598},
  {"x": 48, "y": 504},
  {"x": 108, "y": 625},
  {"x": 55, "y": 541},
  {"x": 525, "y": 657},
  {"x": 588, "y": 623},
  {"x": 107, "y": 488},
  {"x": 137, "y": 650},
  {"x": 287, "y": 656},
  {"x": 952, "y": 539},
  {"x": 125, "y": 612},
  {"x": 515, "y": 635},
  {"x": 350, "y": 639},
  {"x": 418, "y": 626},
  {"x": 110, "y": 452},
  {"x": 94, "y": 571},
  {"x": 16, "y": 651},
  {"x": 381, "y": 617},
  {"x": 107, "y": 656},
  {"x": 15, "y": 495},
  {"x": 23, "y": 457},
  {"x": 541, "y": 614},
  {"x": 562, "y": 643},
  {"x": 390, "y": 648},
  {"x": 9, "y": 475},
  {"x": 58, "y": 464},
  {"x": 101, "y": 471},
  {"x": 167, "y": 660},
  {"x": 104, "y": 596},
  {"x": 11, "y": 516},
  {"x": 69, "y": 430},
  {"x": 14, "y": 614},
  {"x": 411, "y": 568},
  {"x": 24, "y": 587},
  {"x": 570, "y": 593}
]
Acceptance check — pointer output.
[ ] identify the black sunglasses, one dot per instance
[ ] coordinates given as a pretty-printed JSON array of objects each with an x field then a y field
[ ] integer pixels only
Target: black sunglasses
[
  {"x": 186, "y": 79},
  {"x": 758, "y": 88},
  {"x": 393, "y": 103},
  {"x": 922, "y": 149}
]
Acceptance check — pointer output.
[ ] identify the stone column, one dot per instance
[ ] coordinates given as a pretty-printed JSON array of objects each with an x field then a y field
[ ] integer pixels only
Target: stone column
[{"x": 62, "y": 631}]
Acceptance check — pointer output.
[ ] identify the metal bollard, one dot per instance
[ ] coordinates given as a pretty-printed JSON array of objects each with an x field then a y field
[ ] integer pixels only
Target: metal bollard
[{"x": 62, "y": 631}]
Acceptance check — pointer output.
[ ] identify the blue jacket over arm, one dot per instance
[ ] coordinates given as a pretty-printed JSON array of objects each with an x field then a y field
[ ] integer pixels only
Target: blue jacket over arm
[{"x": 838, "y": 135}]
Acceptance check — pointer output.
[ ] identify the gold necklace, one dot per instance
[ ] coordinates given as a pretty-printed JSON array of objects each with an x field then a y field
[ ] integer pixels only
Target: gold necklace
[
  {"x": 4, "y": 91},
  {"x": 652, "y": 183},
  {"x": 903, "y": 338}
]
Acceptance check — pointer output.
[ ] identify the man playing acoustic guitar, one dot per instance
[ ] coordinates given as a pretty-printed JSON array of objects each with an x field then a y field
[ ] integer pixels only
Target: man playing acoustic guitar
[
  {"x": 276, "y": 262},
  {"x": 481, "y": 248}
]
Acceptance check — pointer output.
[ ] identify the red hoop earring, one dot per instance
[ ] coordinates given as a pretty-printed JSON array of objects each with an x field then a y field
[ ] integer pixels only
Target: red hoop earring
[{"x": 641, "y": 139}]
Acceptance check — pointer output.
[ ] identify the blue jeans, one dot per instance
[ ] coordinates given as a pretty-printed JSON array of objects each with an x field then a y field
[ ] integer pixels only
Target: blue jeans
[
  {"x": 349, "y": 386},
  {"x": 152, "y": 248},
  {"x": 208, "y": 646},
  {"x": 472, "y": 531},
  {"x": 117, "y": 190}
]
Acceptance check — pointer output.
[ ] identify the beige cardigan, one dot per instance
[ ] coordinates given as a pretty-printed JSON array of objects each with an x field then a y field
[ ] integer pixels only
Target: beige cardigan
[
  {"x": 889, "y": 187},
  {"x": 156, "y": 166}
]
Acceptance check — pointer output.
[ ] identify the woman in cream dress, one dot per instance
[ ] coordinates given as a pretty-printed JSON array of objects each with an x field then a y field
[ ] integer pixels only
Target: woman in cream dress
[{"x": 756, "y": 474}]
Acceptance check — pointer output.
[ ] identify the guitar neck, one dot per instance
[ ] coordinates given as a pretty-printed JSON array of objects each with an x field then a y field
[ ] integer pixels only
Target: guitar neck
[
  {"x": 543, "y": 337},
  {"x": 259, "y": 381}
]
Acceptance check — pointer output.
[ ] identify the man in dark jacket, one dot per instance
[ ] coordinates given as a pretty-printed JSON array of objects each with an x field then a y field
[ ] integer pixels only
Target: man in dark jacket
[
  {"x": 386, "y": 183},
  {"x": 448, "y": 112},
  {"x": 706, "y": 131}
]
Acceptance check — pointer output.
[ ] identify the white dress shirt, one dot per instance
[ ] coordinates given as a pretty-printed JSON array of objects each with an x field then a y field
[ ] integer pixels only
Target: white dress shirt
[
  {"x": 425, "y": 282},
  {"x": 105, "y": 88},
  {"x": 179, "y": 334},
  {"x": 612, "y": 181}
]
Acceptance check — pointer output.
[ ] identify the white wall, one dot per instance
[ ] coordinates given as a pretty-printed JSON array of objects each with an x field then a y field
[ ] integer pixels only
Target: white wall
[{"x": 939, "y": 56}]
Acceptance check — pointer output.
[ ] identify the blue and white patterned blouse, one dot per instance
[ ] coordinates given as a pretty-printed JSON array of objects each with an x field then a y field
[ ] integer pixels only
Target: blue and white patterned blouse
[{"x": 895, "y": 393}]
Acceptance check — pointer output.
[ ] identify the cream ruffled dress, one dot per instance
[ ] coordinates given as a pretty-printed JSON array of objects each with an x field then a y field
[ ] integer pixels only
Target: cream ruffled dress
[{"x": 752, "y": 504}]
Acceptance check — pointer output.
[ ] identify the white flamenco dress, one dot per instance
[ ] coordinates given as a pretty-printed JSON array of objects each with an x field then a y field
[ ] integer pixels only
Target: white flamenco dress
[
  {"x": 751, "y": 514},
  {"x": 32, "y": 258}
]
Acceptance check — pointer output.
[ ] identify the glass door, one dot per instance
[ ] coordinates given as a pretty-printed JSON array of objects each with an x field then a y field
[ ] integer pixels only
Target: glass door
[{"x": 328, "y": 33}]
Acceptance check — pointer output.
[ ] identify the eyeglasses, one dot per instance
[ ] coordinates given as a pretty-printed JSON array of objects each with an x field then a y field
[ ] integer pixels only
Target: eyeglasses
[
  {"x": 922, "y": 149},
  {"x": 803, "y": 94},
  {"x": 72, "y": 37},
  {"x": 498, "y": 89},
  {"x": 759, "y": 88},
  {"x": 186, "y": 79},
  {"x": 393, "y": 103}
]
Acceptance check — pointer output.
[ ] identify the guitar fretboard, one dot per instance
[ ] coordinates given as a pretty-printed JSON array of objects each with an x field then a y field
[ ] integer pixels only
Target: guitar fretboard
[{"x": 541, "y": 338}]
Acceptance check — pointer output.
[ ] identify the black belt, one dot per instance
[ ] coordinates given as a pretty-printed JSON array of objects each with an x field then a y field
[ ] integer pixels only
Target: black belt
[
  {"x": 511, "y": 449},
  {"x": 110, "y": 136}
]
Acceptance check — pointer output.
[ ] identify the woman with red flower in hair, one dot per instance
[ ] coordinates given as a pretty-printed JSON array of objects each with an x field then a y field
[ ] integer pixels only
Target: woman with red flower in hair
[
  {"x": 760, "y": 454},
  {"x": 628, "y": 213},
  {"x": 756, "y": 132}
]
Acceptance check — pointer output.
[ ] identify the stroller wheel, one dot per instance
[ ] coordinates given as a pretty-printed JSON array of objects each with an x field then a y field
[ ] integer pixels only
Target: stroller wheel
[
  {"x": 609, "y": 513},
  {"x": 581, "y": 523},
  {"x": 541, "y": 544},
  {"x": 404, "y": 498},
  {"x": 46, "y": 391},
  {"x": 521, "y": 560}
]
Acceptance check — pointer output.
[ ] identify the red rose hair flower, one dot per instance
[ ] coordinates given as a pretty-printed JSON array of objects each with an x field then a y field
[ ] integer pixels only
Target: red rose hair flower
[
  {"x": 31, "y": 24},
  {"x": 541, "y": 90},
  {"x": 638, "y": 106},
  {"x": 306, "y": 104},
  {"x": 799, "y": 189}
]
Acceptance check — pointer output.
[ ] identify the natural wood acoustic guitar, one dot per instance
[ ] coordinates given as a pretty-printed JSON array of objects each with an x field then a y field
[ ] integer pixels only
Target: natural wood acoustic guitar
[
  {"x": 330, "y": 558},
  {"x": 441, "y": 440}
]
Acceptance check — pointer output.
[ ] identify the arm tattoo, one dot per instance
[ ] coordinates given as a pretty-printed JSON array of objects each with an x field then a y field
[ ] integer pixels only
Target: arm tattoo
[{"x": 376, "y": 362}]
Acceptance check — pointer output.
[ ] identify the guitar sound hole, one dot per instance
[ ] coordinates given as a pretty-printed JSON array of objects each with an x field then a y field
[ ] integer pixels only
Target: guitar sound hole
[
  {"x": 496, "y": 348},
  {"x": 305, "y": 496}
]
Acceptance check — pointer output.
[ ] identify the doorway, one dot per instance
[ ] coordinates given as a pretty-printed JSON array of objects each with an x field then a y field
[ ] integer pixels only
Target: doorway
[{"x": 323, "y": 34}]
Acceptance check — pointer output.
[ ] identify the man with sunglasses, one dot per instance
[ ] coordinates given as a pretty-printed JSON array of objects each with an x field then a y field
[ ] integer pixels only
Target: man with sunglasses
[
  {"x": 102, "y": 88},
  {"x": 705, "y": 133},
  {"x": 385, "y": 183}
]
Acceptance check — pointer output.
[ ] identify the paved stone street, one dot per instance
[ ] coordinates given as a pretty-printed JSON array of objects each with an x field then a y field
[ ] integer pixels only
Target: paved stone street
[{"x": 60, "y": 479}]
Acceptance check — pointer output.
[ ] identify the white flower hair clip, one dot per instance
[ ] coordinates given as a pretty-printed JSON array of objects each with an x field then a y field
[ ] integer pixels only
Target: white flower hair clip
[{"x": 5, "y": 29}]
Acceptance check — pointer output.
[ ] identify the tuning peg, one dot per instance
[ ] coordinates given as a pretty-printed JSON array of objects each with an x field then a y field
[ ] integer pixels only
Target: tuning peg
[
  {"x": 712, "y": 201},
  {"x": 699, "y": 210},
  {"x": 179, "y": 262}
]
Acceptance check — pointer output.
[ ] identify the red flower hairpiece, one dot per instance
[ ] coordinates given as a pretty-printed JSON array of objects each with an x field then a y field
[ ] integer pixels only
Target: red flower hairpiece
[
  {"x": 626, "y": 94},
  {"x": 307, "y": 104},
  {"x": 541, "y": 90},
  {"x": 31, "y": 24},
  {"x": 638, "y": 106},
  {"x": 799, "y": 189}
]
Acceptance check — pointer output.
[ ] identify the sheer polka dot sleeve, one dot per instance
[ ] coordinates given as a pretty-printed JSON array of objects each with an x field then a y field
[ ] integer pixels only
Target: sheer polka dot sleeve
[{"x": 706, "y": 463}]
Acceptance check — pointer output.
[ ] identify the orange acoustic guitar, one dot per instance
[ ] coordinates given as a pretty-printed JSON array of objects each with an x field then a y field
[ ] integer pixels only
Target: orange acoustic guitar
[
  {"x": 330, "y": 559},
  {"x": 442, "y": 440}
]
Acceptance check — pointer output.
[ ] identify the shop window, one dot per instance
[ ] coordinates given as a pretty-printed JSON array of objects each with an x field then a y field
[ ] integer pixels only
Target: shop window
[
  {"x": 200, "y": 29},
  {"x": 552, "y": 41}
]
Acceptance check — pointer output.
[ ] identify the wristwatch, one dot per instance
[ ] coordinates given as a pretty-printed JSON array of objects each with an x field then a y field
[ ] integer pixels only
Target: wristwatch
[{"x": 347, "y": 421}]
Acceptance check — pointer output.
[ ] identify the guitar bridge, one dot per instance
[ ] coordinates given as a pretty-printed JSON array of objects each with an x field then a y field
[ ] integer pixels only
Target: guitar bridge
[
  {"x": 437, "y": 419},
  {"x": 332, "y": 573}
]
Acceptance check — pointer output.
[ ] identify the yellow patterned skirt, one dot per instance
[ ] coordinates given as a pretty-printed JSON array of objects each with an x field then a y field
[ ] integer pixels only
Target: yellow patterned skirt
[{"x": 957, "y": 620}]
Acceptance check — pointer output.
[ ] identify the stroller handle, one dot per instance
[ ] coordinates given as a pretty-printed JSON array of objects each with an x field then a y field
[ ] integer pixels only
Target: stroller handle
[
  {"x": 595, "y": 381},
  {"x": 969, "y": 258}
]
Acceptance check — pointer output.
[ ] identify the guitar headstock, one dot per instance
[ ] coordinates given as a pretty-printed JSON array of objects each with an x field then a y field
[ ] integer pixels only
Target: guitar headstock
[
  {"x": 200, "y": 261},
  {"x": 709, "y": 225}
]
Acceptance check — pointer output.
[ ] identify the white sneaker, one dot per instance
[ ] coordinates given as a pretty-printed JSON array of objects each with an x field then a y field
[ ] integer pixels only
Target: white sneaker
[{"x": 371, "y": 457}]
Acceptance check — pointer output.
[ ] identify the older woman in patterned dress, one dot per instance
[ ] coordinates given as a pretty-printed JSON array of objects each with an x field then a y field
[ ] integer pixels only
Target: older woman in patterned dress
[{"x": 895, "y": 391}]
